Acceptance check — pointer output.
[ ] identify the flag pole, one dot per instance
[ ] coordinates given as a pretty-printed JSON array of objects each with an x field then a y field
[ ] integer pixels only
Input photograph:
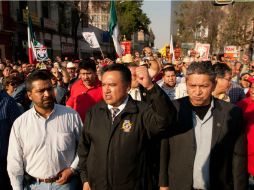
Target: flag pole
[
  {"x": 114, "y": 29},
  {"x": 30, "y": 53},
  {"x": 172, "y": 49},
  {"x": 101, "y": 53}
]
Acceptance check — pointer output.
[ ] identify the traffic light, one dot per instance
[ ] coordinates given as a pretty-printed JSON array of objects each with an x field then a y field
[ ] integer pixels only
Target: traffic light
[{"x": 223, "y": 2}]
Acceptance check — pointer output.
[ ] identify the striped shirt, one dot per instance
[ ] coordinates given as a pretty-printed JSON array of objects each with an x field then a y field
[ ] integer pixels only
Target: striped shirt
[{"x": 9, "y": 111}]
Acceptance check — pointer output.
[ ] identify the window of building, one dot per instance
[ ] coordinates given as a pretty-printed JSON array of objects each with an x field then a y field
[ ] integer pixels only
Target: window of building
[
  {"x": 22, "y": 4},
  {"x": 45, "y": 9},
  {"x": 85, "y": 21},
  {"x": 96, "y": 18},
  {"x": 32, "y": 5},
  {"x": 104, "y": 18},
  {"x": 104, "y": 27}
]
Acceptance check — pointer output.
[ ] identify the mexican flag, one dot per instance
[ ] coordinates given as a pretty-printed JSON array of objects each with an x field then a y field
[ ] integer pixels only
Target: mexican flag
[
  {"x": 30, "y": 36},
  {"x": 36, "y": 51},
  {"x": 113, "y": 28}
]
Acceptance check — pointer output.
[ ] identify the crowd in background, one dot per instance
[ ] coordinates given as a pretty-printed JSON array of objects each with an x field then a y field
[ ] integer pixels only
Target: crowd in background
[
  {"x": 65, "y": 73},
  {"x": 77, "y": 83}
]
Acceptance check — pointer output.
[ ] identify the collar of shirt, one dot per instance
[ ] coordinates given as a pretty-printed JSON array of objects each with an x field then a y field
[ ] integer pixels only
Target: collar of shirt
[
  {"x": 135, "y": 94},
  {"x": 222, "y": 96},
  {"x": 39, "y": 115},
  {"x": 208, "y": 114},
  {"x": 121, "y": 107},
  {"x": 162, "y": 84},
  {"x": 132, "y": 89},
  {"x": 246, "y": 90},
  {"x": 97, "y": 84},
  {"x": 167, "y": 87}
]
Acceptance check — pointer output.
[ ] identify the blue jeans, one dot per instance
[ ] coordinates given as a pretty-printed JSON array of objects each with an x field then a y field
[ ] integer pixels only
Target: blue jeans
[{"x": 73, "y": 184}]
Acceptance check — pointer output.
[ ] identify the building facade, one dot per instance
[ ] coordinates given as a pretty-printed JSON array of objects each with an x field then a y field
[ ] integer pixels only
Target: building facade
[
  {"x": 53, "y": 25},
  {"x": 99, "y": 14}
]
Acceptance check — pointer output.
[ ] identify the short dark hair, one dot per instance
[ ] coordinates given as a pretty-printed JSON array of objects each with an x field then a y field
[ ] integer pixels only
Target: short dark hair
[
  {"x": 239, "y": 62},
  {"x": 221, "y": 69},
  {"x": 169, "y": 68},
  {"x": 167, "y": 65},
  {"x": 201, "y": 68},
  {"x": 10, "y": 80},
  {"x": 87, "y": 64},
  {"x": 243, "y": 74},
  {"x": 125, "y": 71},
  {"x": 37, "y": 75}
]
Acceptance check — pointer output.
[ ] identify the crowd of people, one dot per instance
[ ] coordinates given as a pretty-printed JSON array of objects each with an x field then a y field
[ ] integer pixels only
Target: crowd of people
[{"x": 140, "y": 122}]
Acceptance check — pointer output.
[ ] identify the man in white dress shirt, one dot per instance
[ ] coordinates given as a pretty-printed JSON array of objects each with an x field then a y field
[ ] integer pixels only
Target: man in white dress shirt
[{"x": 43, "y": 141}]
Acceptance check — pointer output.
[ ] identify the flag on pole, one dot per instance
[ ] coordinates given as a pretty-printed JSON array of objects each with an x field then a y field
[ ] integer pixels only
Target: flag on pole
[
  {"x": 29, "y": 42},
  {"x": 113, "y": 28},
  {"x": 91, "y": 39},
  {"x": 40, "y": 51},
  {"x": 36, "y": 51},
  {"x": 172, "y": 49}
]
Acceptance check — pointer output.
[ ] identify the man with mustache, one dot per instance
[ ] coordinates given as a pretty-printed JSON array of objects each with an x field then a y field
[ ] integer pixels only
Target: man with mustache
[
  {"x": 86, "y": 91},
  {"x": 43, "y": 141}
]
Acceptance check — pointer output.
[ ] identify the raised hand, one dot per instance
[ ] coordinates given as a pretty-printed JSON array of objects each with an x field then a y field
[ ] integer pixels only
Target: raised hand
[{"x": 143, "y": 77}]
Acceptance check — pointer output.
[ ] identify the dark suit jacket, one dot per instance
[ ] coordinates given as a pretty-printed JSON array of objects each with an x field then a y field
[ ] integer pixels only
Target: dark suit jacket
[
  {"x": 228, "y": 157},
  {"x": 113, "y": 156}
]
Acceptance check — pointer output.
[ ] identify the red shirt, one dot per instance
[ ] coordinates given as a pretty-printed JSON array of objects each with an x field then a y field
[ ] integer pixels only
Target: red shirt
[
  {"x": 82, "y": 98},
  {"x": 247, "y": 106}
]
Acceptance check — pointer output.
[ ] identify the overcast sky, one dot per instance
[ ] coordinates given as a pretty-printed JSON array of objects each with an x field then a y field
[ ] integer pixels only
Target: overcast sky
[{"x": 159, "y": 14}]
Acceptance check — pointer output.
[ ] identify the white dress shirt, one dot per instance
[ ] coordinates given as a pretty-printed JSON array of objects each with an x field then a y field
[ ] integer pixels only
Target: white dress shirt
[
  {"x": 135, "y": 94},
  {"x": 43, "y": 146},
  {"x": 121, "y": 107}
]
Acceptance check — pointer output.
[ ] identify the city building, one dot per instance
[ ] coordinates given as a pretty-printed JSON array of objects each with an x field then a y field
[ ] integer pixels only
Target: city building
[
  {"x": 142, "y": 39},
  {"x": 99, "y": 14},
  {"x": 226, "y": 29},
  {"x": 56, "y": 24}
]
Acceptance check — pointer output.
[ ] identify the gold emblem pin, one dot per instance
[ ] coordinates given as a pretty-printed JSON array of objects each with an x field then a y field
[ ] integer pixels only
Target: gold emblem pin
[{"x": 127, "y": 125}]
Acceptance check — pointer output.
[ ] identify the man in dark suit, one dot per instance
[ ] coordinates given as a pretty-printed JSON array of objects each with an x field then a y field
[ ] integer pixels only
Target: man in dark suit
[
  {"x": 113, "y": 151},
  {"x": 138, "y": 92},
  {"x": 206, "y": 148}
]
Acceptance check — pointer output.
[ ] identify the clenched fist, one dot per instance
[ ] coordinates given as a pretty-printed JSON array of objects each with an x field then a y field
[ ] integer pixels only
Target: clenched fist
[{"x": 143, "y": 77}]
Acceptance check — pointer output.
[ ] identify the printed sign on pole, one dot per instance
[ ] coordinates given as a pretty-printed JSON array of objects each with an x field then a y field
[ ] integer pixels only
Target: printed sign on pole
[
  {"x": 91, "y": 39},
  {"x": 126, "y": 47},
  {"x": 203, "y": 51},
  {"x": 230, "y": 52},
  {"x": 40, "y": 51}
]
